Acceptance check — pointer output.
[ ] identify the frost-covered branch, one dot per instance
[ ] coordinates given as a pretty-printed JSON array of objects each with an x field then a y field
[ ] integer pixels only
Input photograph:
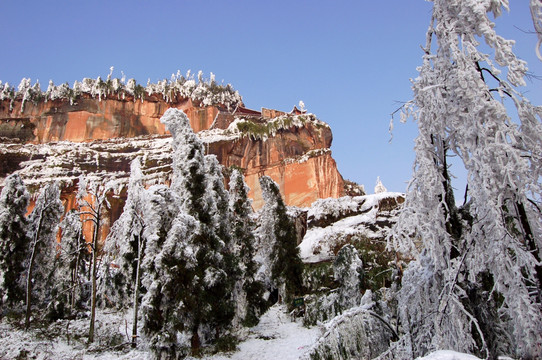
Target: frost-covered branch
[{"x": 491, "y": 245}]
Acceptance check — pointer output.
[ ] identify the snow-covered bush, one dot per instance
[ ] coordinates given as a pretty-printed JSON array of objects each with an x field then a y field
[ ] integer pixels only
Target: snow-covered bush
[
  {"x": 359, "y": 333},
  {"x": 264, "y": 130},
  {"x": 348, "y": 274}
]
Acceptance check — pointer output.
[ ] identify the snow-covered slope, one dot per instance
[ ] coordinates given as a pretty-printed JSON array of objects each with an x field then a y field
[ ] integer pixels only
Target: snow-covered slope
[
  {"x": 332, "y": 223},
  {"x": 275, "y": 337}
]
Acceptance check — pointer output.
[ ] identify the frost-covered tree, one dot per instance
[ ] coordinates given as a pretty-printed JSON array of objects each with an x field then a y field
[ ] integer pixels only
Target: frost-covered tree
[
  {"x": 277, "y": 230},
  {"x": 157, "y": 305},
  {"x": 476, "y": 283},
  {"x": 218, "y": 199},
  {"x": 93, "y": 202},
  {"x": 348, "y": 272},
  {"x": 43, "y": 228},
  {"x": 14, "y": 241},
  {"x": 536, "y": 13},
  {"x": 248, "y": 292},
  {"x": 190, "y": 291},
  {"x": 379, "y": 187},
  {"x": 228, "y": 265},
  {"x": 71, "y": 265},
  {"x": 125, "y": 248}
]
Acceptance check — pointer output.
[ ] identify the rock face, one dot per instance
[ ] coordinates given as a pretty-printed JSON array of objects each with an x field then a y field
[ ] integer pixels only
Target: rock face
[
  {"x": 363, "y": 221},
  {"x": 63, "y": 138}
]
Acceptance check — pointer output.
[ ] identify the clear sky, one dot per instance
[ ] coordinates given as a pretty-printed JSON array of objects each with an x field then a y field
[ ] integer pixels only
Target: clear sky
[{"x": 349, "y": 61}]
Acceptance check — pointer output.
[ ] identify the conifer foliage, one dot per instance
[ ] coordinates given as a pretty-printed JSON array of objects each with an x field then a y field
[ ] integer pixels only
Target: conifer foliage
[
  {"x": 248, "y": 290},
  {"x": 476, "y": 283},
  {"x": 14, "y": 241},
  {"x": 189, "y": 287},
  {"x": 278, "y": 231},
  {"x": 43, "y": 228}
]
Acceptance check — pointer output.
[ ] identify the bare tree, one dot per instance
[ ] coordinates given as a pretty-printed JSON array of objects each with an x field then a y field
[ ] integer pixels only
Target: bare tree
[{"x": 92, "y": 199}]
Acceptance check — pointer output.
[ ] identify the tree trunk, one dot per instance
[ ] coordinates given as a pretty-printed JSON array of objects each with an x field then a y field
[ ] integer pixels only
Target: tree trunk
[
  {"x": 75, "y": 275},
  {"x": 29, "y": 274},
  {"x": 136, "y": 290},
  {"x": 195, "y": 342},
  {"x": 93, "y": 274}
]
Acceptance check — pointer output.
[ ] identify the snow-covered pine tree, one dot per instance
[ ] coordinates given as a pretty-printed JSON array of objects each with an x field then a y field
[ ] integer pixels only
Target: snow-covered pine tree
[
  {"x": 125, "y": 248},
  {"x": 93, "y": 202},
  {"x": 379, "y": 187},
  {"x": 190, "y": 290},
  {"x": 277, "y": 230},
  {"x": 222, "y": 300},
  {"x": 476, "y": 283},
  {"x": 248, "y": 292},
  {"x": 348, "y": 272},
  {"x": 160, "y": 211},
  {"x": 14, "y": 241},
  {"x": 218, "y": 199},
  {"x": 43, "y": 228}
]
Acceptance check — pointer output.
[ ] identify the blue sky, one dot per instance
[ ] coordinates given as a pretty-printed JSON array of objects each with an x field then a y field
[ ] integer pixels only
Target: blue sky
[{"x": 349, "y": 61}]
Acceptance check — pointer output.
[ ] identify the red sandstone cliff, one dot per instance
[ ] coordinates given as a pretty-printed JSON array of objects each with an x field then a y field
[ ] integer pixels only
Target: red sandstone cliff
[{"x": 37, "y": 140}]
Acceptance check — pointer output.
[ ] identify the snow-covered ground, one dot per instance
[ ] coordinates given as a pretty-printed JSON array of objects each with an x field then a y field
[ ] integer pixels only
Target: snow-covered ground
[
  {"x": 448, "y": 355},
  {"x": 275, "y": 337}
]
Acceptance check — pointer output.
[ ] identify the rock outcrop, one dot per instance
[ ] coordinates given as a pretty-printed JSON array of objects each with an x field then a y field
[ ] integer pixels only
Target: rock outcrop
[{"x": 60, "y": 138}]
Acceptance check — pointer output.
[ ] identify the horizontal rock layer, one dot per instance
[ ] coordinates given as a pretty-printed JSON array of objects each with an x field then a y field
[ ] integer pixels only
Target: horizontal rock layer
[{"x": 62, "y": 139}]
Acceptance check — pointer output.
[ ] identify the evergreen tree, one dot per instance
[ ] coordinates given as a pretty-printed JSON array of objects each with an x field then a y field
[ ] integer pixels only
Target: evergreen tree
[
  {"x": 476, "y": 283},
  {"x": 14, "y": 241},
  {"x": 248, "y": 291},
  {"x": 125, "y": 248},
  {"x": 348, "y": 272},
  {"x": 122, "y": 245},
  {"x": 189, "y": 291},
  {"x": 43, "y": 227},
  {"x": 278, "y": 231},
  {"x": 223, "y": 304},
  {"x": 160, "y": 210}
]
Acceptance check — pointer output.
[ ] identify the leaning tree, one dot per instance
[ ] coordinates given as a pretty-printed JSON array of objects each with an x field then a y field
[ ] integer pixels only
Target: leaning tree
[{"x": 476, "y": 282}]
